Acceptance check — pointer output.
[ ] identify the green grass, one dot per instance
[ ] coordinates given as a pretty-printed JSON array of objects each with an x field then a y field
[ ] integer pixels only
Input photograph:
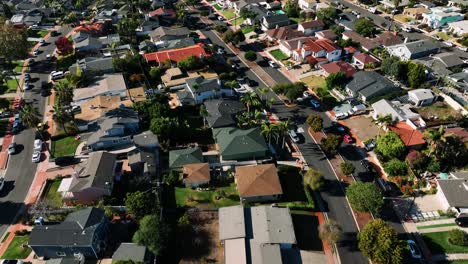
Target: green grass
[
  {"x": 238, "y": 21},
  {"x": 438, "y": 243},
  {"x": 443, "y": 35},
  {"x": 228, "y": 13},
  {"x": 217, "y": 7},
  {"x": 12, "y": 85},
  {"x": 314, "y": 82},
  {"x": 16, "y": 250},
  {"x": 64, "y": 147},
  {"x": 205, "y": 199},
  {"x": 439, "y": 109},
  {"x": 18, "y": 66},
  {"x": 51, "y": 195},
  {"x": 247, "y": 29},
  {"x": 297, "y": 20},
  {"x": 278, "y": 54},
  {"x": 454, "y": 262},
  {"x": 3, "y": 126},
  {"x": 435, "y": 226},
  {"x": 37, "y": 33}
]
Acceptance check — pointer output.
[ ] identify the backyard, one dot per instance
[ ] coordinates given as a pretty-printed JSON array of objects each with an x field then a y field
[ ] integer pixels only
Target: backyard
[
  {"x": 247, "y": 29},
  {"x": 17, "y": 248},
  {"x": 314, "y": 82},
  {"x": 278, "y": 54},
  {"x": 64, "y": 147},
  {"x": 206, "y": 199},
  {"x": 294, "y": 195},
  {"x": 438, "y": 111},
  {"x": 438, "y": 243},
  {"x": 228, "y": 13},
  {"x": 51, "y": 196}
]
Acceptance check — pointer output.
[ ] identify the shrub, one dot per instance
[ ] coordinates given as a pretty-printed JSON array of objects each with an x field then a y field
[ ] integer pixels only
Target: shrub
[
  {"x": 250, "y": 55},
  {"x": 347, "y": 168},
  {"x": 395, "y": 167},
  {"x": 21, "y": 232},
  {"x": 315, "y": 122},
  {"x": 457, "y": 237},
  {"x": 330, "y": 144},
  {"x": 407, "y": 189}
]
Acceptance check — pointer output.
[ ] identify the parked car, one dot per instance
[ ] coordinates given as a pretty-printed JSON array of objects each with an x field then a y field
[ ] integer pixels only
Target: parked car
[
  {"x": 436, "y": 37},
  {"x": 462, "y": 220},
  {"x": 220, "y": 51},
  {"x": 315, "y": 103},
  {"x": 407, "y": 29},
  {"x": 36, "y": 157},
  {"x": 272, "y": 64},
  {"x": 2, "y": 183},
  {"x": 38, "y": 145},
  {"x": 220, "y": 18},
  {"x": 414, "y": 250},
  {"x": 12, "y": 148},
  {"x": 307, "y": 94},
  {"x": 370, "y": 145},
  {"x": 55, "y": 75},
  {"x": 448, "y": 43},
  {"x": 27, "y": 77},
  {"x": 35, "y": 52},
  {"x": 340, "y": 116},
  {"x": 347, "y": 138},
  {"x": 367, "y": 165},
  {"x": 16, "y": 126},
  {"x": 54, "y": 33},
  {"x": 293, "y": 136},
  {"x": 387, "y": 18},
  {"x": 338, "y": 127},
  {"x": 27, "y": 86},
  {"x": 42, "y": 42},
  {"x": 462, "y": 48}
]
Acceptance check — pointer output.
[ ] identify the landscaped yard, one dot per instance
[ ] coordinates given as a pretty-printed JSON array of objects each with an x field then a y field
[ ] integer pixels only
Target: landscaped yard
[
  {"x": 51, "y": 195},
  {"x": 438, "y": 243},
  {"x": 247, "y": 29},
  {"x": 438, "y": 111},
  {"x": 435, "y": 226},
  {"x": 238, "y": 21},
  {"x": 18, "y": 66},
  {"x": 403, "y": 18},
  {"x": 297, "y": 20},
  {"x": 228, "y": 13},
  {"x": 314, "y": 82},
  {"x": 16, "y": 250},
  {"x": 278, "y": 54},
  {"x": 206, "y": 199},
  {"x": 64, "y": 147},
  {"x": 37, "y": 33},
  {"x": 443, "y": 35},
  {"x": 217, "y": 7}
]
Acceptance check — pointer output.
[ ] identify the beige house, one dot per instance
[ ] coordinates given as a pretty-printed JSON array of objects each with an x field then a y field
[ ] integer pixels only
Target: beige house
[
  {"x": 258, "y": 183},
  {"x": 196, "y": 174},
  {"x": 415, "y": 12},
  {"x": 175, "y": 77}
]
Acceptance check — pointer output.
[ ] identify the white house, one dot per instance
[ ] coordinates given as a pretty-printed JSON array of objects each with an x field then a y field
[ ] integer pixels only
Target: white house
[
  {"x": 460, "y": 27},
  {"x": 310, "y": 27},
  {"x": 439, "y": 16},
  {"x": 413, "y": 50},
  {"x": 307, "y": 4},
  {"x": 201, "y": 89},
  {"x": 105, "y": 85},
  {"x": 303, "y": 47},
  {"x": 421, "y": 97}
]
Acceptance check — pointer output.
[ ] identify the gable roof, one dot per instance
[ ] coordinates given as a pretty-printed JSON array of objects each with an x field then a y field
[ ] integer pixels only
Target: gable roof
[
  {"x": 370, "y": 84},
  {"x": 419, "y": 46},
  {"x": 176, "y": 55},
  {"x": 235, "y": 141},
  {"x": 388, "y": 38},
  {"x": 422, "y": 94},
  {"x": 365, "y": 58},
  {"x": 328, "y": 34},
  {"x": 312, "y": 24},
  {"x": 339, "y": 66},
  {"x": 130, "y": 251},
  {"x": 107, "y": 83},
  {"x": 276, "y": 19},
  {"x": 169, "y": 31},
  {"x": 449, "y": 59},
  {"x": 222, "y": 111},
  {"x": 284, "y": 33},
  {"x": 99, "y": 105},
  {"x": 180, "y": 157},
  {"x": 410, "y": 136},
  {"x": 97, "y": 171},
  {"x": 366, "y": 43},
  {"x": 258, "y": 180},
  {"x": 460, "y": 132},
  {"x": 196, "y": 172},
  {"x": 231, "y": 222},
  {"x": 455, "y": 191},
  {"x": 200, "y": 84}
]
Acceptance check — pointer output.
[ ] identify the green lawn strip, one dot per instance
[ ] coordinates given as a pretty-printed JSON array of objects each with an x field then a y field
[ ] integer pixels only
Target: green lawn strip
[
  {"x": 64, "y": 147},
  {"x": 206, "y": 199},
  {"x": 11, "y": 86},
  {"x": 16, "y": 250},
  {"x": 297, "y": 20},
  {"x": 228, "y": 13},
  {"x": 438, "y": 243},
  {"x": 435, "y": 226},
  {"x": 278, "y": 54},
  {"x": 443, "y": 35},
  {"x": 217, "y": 7},
  {"x": 18, "y": 66},
  {"x": 51, "y": 194},
  {"x": 5, "y": 236},
  {"x": 247, "y": 29}
]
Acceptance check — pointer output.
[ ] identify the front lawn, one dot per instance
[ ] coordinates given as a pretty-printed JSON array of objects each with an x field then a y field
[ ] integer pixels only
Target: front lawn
[
  {"x": 228, "y": 13},
  {"x": 435, "y": 226},
  {"x": 238, "y": 21},
  {"x": 403, "y": 18},
  {"x": 206, "y": 199},
  {"x": 217, "y": 7},
  {"x": 438, "y": 243},
  {"x": 297, "y": 20},
  {"x": 37, "y": 33},
  {"x": 64, "y": 147},
  {"x": 247, "y": 29},
  {"x": 51, "y": 195},
  {"x": 18, "y": 66},
  {"x": 443, "y": 35},
  {"x": 18, "y": 248},
  {"x": 314, "y": 82},
  {"x": 278, "y": 54},
  {"x": 12, "y": 85}
]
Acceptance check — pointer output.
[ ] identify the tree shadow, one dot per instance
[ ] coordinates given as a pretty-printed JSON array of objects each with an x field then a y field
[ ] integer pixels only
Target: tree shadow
[{"x": 308, "y": 240}]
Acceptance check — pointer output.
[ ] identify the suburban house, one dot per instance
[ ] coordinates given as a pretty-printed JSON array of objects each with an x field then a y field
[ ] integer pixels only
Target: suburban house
[
  {"x": 169, "y": 33},
  {"x": 346, "y": 20},
  {"x": 147, "y": 26},
  {"x": 105, "y": 85},
  {"x": 133, "y": 252},
  {"x": 283, "y": 33},
  {"x": 273, "y": 20},
  {"x": 415, "y": 12},
  {"x": 259, "y": 234},
  {"x": 308, "y": 28},
  {"x": 201, "y": 89},
  {"x": 93, "y": 178},
  {"x": 338, "y": 66},
  {"x": 366, "y": 43},
  {"x": 93, "y": 65},
  {"x": 180, "y": 157},
  {"x": 89, "y": 44},
  {"x": 307, "y": 4},
  {"x": 459, "y": 80},
  {"x": 422, "y": 97},
  {"x": 222, "y": 112},
  {"x": 369, "y": 85},
  {"x": 458, "y": 3},
  {"x": 459, "y": 28},
  {"x": 97, "y": 107},
  {"x": 452, "y": 191},
  {"x": 411, "y": 136},
  {"x": 388, "y": 38},
  {"x": 196, "y": 174},
  {"x": 82, "y": 232},
  {"x": 440, "y": 15},
  {"x": 175, "y": 44},
  {"x": 441, "y": 64},
  {"x": 326, "y": 34},
  {"x": 459, "y": 132},
  {"x": 176, "y": 55},
  {"x": 258, "y": 183},
  {"x": 413, "y": 50},
  {"x": 399, "y": 112},
  {"x": 144, "y": 159},
  {"x": 301, "y": 48},
  {"x": 391, "y": 5},
  {"x": 163, "y": 14},
  {"x": 360, "y": 60},
  {"x": 240, "y": 144},
  {"x": 175, "y": 78}
]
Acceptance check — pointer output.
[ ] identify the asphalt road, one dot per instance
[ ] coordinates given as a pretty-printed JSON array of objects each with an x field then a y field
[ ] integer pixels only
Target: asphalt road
[{"x": 20, "y": 171}]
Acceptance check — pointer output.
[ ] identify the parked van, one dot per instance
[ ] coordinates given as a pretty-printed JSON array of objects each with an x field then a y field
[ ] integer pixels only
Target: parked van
[
  {"x": 55, "y": 75},
  {"x": 357, "y": 110},
  {"x": 293, "y": 136}
]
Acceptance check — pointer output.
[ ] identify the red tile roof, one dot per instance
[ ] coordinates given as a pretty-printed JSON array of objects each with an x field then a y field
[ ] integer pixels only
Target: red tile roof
[
  {"x": 350, "y": 50},
  {"x": 176, "y": 55},
  {"x": 327, "y": 44},
  {"x": 163, "y": 12},
  {"x": 90, "y": 28},
  {"x": 284, "y": 33},
  {"x": 312, "y": 24},
  {"x": 339, "y": 66},
  {"x": 311, "y": 44},
  {"x": 365, "y": 58},
  {"x": 409, "y": 136},
  {"x": 389, "y": 39}
]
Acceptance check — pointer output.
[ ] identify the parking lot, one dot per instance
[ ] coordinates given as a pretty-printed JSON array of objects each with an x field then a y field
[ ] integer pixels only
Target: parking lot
[{"x": 363, "y": 127}]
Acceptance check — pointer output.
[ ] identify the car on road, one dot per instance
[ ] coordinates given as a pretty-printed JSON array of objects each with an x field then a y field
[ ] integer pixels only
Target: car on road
[
  {"x": 315, "y": 103},
  {"x": 347, "y": 138},
  {"x": 272, "y": 64},
  {"x": 54, "y": 33},
  {"x": 27, "y": 77},
  {"x": 12, "y": 148},
  {"x": 340, "y": 116},
  {"x": 42, "y": 42},
  {"x": 307, "y": 94},
  {"x": 462, "y": 220},
  {"x": 448, "y": 43},
  {"x": 38, "y": 145},
  {"x": 35, "y": 52},
  {"x": 220, "y": 18},
  {"x": 462, "y": 48},
  {"x": 2, "y": 183},
  {"x": 36, "y": 157},
  {"x": 293, "y": 136},
  {"x": 27, "y": 86},
  {"x": 407, "y": 29},
  {"x": 220, "y": 51},
  {"x": 414, "y": 250},
  {"x": 55, "y": 75},
  {"x": 16, "y": 126}
]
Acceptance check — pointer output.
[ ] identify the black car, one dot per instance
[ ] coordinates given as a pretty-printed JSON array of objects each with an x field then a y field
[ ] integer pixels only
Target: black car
[
  {"x": 368, "y": 166},
  {"x": 462, "y": 220},
  {"x": 54, "y": 33}
]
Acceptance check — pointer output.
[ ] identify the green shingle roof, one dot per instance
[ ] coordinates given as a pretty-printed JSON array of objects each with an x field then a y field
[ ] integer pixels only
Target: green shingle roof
[
  {"x": 180, "y": 157},
  {"x": 235, "y": 143}
]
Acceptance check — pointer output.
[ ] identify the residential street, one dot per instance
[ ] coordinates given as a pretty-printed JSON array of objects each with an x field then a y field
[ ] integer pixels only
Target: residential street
[{"x": 21, "y": 171}]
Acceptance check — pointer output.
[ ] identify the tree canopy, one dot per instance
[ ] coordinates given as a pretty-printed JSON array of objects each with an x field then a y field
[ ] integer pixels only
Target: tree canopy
[
  {"x": 13, "y": 42},
  {"x": 327, "y": 15},
  {"x": 379, "y": 242},
  {"x": 364, "y": 27},
  {"x": 291, "y": 8},
  {"x": 290, "y": 90},
  {"x": 365, "y": 197},
  {"x": 250, "y": 55},
  {"x": 190, "y": 63},
  {"x": 152, "y": 233},
  {"x": 330, "y": 144},
  {"x": 314, "y": 179},
  {"x": 140, "y": 204},
  {"x": 315, "y": 122},
  {"x": 347, "y": 168},
  {"x": 390, "y": 146},
  {"x": 336, "y": 79},
  {"x": 416, "y": 75},
  {"x": 234, "y": 37}
]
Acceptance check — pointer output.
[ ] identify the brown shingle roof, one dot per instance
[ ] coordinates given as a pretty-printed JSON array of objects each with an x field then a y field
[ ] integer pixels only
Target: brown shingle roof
[
  {"x": 258, "y": 180},
  {"x": 312, "y": 24},
  {"x": 389, "y": 39},
  {"x": 284, "y": 33},
  {"x": 196, "y": 172}
]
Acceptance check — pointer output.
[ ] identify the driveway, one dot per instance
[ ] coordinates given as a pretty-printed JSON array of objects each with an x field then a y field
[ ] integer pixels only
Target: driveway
[{"x": 362, "y": 127}]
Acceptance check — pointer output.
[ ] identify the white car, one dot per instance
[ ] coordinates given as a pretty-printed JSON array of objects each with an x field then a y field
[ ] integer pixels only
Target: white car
[
  {"x": 36, "y": 52},
  {"x": 414, "y": 250},
  {"x": 448, "y": 43},
  {"x": 307, "y": 94},
  {"x": 55, "y": 75},
  {"x": 340, "y": 116},
  {"x": 37, "y": 145},
  {"x": 293, "y": 136},
  {"x": 462, "y": 48},
  {"x": 407, "y": 29},
  {"x": 272, "y": 64},
  {"x": 27, "y": 86},
  {"x": 220, "y": 18},
  {"x": 36, "y": 157}
]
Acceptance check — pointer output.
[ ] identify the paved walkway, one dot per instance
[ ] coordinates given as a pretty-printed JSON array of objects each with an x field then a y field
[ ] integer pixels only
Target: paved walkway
[
  {"x": 442, "y": 257},
  {"x": 8, "y": 95}
]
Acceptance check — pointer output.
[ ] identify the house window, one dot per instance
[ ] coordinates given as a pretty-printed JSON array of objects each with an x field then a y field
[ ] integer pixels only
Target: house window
[{"x": 61, "y": 254}]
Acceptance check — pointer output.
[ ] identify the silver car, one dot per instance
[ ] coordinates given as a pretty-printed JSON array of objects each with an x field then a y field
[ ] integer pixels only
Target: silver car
[{"x": 36, "y": 157}]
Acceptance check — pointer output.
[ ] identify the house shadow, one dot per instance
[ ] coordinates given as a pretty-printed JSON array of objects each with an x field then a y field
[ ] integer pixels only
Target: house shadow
[{"x": 306, "y": 230}]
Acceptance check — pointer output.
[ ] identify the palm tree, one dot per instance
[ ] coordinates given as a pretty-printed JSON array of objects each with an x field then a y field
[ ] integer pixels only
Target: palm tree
[
  {"x": 282, "y": 128},
  {"x": 263, "y": 91},
  {"x": 204, "y": 113},
  {"x": 433, "y": 137},
  {"x": 250, "y": 100},
  {"x": 61, "y": 116},
  {"x": 64, "y": 93},
  {"x": 270, "y": 102},
  {"x": 30, "y": 116},
  {"x": 384, "y": 121},
  {"x": 268, "y": 130}
]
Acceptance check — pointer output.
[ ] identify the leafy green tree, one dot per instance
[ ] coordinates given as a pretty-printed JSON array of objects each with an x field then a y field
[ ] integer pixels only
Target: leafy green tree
[
  {"x": 246, "y": 13},
  {"x": 155, "y": 73},
  {"x": 165, "y": 126},
  {"x": 364, "y": 27},
  {"x": 172, "y": 178},
  {"x": 379, "y": 242},
  {"x": 153, "y": 233},
  {"x": 416, "y": 74},
  {"x": 250, "y": 55},
  {"x": 221, "y": 28},
  {"x": 390, "y": 145},
  {"x": 314, "y": 179},
  {"x": 457, "y": 237},
  {"x": 233, "y": 37},
  {"x": 347, "y": 168},
  {"x": 395, "y": 167},
  {"x": 417, "y": 160},
  {"x": 391, "y": 66},
  {"x": 63, "y": 92},
  {"x": 330, "y": 144},
  {"x": 365, "y": 197},
  {"x": 14, "y": 44},
  {"x": 291, "y": 8},
  {"x": 330, "y": 232},
  {"x": 140, "y": 204},
  {"x": 327, "y": 15},
  {"x": 190, "y": 63},
  {"x": 315, "y": 122},
  {"x": 336, "y": 79},
  {"x": 126, "y": 27}
]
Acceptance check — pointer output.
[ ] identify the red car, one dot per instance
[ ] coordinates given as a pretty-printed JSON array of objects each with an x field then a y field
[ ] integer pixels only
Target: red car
[{"x": 347, "y": 138}]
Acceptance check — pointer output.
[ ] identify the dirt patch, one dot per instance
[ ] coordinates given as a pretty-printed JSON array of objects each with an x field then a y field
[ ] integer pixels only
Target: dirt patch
[
  {"x": 362, "y": 127},
  {"x": 200, "y": 243}
]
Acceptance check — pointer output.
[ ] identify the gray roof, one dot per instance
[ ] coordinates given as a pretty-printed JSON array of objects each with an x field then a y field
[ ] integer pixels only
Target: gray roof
[
  {"x": 422, "y": 94},
  {"x": 146, "y": 140},
  {"x": 370, "y": 84},
  {"x": 177, "y": 44},
  {"x": 221, "y": 112},
  {"x": 93, "y": 64},
  {"x": 420, "y": 46},
  {"x": 265, "y": 253},
  {"x": 200, "y": 84},
  {"x": 449, "y": 59},
  {"x": 272, "y": 225},
  {"x": 455, "y": 191},
  {"x": 231, "y": 222},
  {"x": 79, "y": 35},
  {"x": 77, "y": 230},
  {"x": 64, "y": 261},
  {"x": 97, "y": 171},
  {"x": 130, "y": 251},
  {"x": 180, "y": 157},
  {"x": 277, "y": 19},
  {"x": 90, "y": 41},
  {"x": 434, "y": 65},
  {"x": 160, "y": 32}
]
